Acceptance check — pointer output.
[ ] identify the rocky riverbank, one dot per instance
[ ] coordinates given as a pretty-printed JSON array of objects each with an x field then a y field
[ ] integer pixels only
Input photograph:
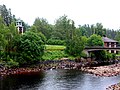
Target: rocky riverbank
[
  {"x": 47, "y": 65},
  {"x": 107, "y": 71},
  {"x": 5, "y": 72},
  {"x": 114, "y": 87}
]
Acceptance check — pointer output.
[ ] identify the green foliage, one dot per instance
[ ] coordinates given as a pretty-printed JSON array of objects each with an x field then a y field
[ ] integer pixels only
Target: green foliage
[
  {"x": 54, "y": 55},
  {"x": 117, "y": 37},
  {"x": 11, "y": 63},
  {"x": 55, "y": 42},
  {"x": 54, "y": 47},
  {"x": 34, "y": 30},
  {"x": 113, "y": 34},
  {"x": 55, "y": 52},
  {"x": 3, "y": 41},
  {"x": 76, "y": 44},
  {"x": 100, "y": 55},
  {"x": 88, "y": 30},
  {"x": 95, "y": 40},
  {"x": 30, "y": 49},
  {"x": 42, "y": 26},
  {"x": 111, "y": 56},
  {"x": 6, "y": 14},
  {"x": 103, "y": 55},
  {"x": 61, "y": 28},
  {"x": 83, "y": 55}
]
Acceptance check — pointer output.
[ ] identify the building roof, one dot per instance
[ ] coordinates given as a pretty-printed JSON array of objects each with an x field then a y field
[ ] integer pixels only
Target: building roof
[{"x": 106, "y": 39}]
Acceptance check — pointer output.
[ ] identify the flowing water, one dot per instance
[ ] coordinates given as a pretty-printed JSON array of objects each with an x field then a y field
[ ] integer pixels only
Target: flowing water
[{"x": 57, "y": 80}]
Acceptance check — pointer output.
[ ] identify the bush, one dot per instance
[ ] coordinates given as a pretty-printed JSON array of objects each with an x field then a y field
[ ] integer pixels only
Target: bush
[
  {"x": 84, "y": 55},
  {"x": 75, "y": 46},
  {"x": 95, "y": 40},
  {"x": 55, "y": 42},
  {"x": 30, "y": 48},
  {"x": 11, "y": 63},
  {"x": 53, "y": 55}
]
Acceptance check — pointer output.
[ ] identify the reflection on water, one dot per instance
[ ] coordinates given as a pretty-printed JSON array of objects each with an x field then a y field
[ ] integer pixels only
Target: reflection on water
[
  {"x": 21, "y": 82},
  {"x": 57, "y": 80}
]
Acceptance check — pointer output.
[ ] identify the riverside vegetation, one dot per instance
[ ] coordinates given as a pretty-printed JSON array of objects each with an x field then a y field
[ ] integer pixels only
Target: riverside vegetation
[
  {"x": 18, "y": 50},
  {"x": 42, "y": 41},
  {"x": 38, "y": 43}
]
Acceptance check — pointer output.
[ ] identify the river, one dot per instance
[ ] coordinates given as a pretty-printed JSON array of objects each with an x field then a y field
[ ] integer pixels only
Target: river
[{"x": 57, "y": 80}]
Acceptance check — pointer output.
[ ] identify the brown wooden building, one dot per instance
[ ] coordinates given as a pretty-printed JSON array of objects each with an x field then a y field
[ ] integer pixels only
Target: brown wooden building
[{"x": 110, "y": 43}]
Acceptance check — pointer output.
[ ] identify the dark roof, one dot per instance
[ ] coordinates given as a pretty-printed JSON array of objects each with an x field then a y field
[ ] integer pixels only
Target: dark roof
[{"x": 106, "y": 39}]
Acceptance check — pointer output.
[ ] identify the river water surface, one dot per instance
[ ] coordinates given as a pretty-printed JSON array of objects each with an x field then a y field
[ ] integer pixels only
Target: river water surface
[{"x": 57, "y": 80}]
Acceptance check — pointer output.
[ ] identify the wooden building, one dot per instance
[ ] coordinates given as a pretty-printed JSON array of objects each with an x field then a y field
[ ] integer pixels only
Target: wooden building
[{"x": 110, "y": 43}]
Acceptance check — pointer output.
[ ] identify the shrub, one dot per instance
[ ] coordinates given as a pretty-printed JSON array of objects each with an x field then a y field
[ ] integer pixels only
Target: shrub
[
  {"x": 11, "y": 63},
  {"x": 53, "y": 55},
  {"x": 55, "y": 42},
  {"x": 95, "y": 40},
  {"x": 30, "y": 48},
  {"x": 84, "y": 55}
]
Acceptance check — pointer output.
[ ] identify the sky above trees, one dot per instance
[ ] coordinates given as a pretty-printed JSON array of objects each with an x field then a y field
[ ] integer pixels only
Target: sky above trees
[{"x": 81, "y": 11}]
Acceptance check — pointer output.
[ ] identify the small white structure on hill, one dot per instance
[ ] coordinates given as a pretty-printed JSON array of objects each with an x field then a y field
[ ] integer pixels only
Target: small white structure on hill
[{"x": 19, "y": 26}]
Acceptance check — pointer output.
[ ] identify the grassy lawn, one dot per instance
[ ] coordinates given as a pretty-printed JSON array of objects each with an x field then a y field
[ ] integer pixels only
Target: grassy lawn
[
  {"x": 54, "y": 47},
  {"x": 55, "y": 52}
]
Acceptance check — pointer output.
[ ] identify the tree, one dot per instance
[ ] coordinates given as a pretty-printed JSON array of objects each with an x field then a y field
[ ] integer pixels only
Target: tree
[
  {"x": 88, "y": 30},
  {"x": 99, "y": 30},
  {"x": 85, "y": 30},
  {"x": 34, "y": 30},
  {"x": 6, "y": 14},
  {"x": 95, "y": 40},
  {"x": 42, "y": 26},
  {"x": 3, "y": 41},
  {"x": 7, "y": 35},
  {"x": 117, "y": 37},
  {"x": 62, "y": 26},
  {"x": 30, "y": 49},
  {"x": 75, "y": 44},
  {"x": 111, "y": 33},
  {"x": 10, "y": 36}
]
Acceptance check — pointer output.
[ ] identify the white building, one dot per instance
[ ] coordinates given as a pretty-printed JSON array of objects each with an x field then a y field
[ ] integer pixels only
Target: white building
[{"x": 19, "y": 26}]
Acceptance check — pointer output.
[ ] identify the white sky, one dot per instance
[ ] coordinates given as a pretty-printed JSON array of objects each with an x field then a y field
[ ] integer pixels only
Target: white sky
[{"x": 82, "y": 12}]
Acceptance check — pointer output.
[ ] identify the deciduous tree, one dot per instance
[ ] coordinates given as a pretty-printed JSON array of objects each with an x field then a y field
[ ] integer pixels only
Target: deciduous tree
[{"x": 95, "y": 40}]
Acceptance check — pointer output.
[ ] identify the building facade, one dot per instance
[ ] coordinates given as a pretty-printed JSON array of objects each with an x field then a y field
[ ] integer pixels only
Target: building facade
[
  {"x": 110, "y": 43},
  {"x": 19, "y": 26}
]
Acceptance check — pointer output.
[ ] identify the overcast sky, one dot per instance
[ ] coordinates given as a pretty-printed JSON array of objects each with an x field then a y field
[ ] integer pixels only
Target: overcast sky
[{"x": 82, "y": 12}]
